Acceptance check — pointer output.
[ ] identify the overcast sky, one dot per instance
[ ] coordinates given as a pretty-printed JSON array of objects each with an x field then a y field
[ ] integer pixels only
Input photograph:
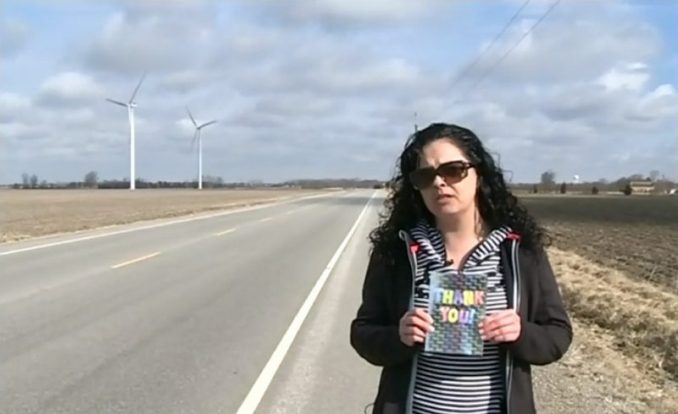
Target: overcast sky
[{"x": 328, "y": 88}]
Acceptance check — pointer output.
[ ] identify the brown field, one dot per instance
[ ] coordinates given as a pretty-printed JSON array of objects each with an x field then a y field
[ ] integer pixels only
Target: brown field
[
  {"x": 638, "y": 235},
  {"x": 617, "y": 263},
  {"x": 31, "y": 213}
]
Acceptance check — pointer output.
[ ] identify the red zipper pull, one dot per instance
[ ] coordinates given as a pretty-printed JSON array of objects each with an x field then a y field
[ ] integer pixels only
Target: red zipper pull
[{"x": 513, "y": 236}]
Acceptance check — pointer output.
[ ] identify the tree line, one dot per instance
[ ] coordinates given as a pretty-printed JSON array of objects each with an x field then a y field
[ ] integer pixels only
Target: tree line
[
  {"x": 91, "y": 181},
  {"x": 549, "y": 184}
]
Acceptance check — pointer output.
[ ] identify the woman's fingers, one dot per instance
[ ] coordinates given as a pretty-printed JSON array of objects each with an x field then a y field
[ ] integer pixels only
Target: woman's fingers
[
  {"x": 414, "y": 326},
  {"x": 422, "y": 314},
  {"x": 503, "y": 326},
  {"x": 419, "y": 323},
  {"x": 414, "y": 331}
]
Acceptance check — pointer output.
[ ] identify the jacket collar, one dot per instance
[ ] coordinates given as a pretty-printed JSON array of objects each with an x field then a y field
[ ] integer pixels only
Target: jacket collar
[{"x": 431, "y": 248}]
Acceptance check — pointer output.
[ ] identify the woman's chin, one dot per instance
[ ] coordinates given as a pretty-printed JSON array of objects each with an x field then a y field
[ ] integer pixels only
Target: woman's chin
[{"x": 448, "y": 209}]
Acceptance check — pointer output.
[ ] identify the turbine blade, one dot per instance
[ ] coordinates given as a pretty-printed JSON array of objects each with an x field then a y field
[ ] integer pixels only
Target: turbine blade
[
  {"x": 134, "y": 94},
  {"x": 191, "y": 116},
  {"x": 116, "y": 102},
  {"x": 207, "y": 124}
]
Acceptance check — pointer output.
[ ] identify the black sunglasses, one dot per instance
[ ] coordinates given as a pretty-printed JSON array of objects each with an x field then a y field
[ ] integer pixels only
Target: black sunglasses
[{"x": 453, "y": 171}]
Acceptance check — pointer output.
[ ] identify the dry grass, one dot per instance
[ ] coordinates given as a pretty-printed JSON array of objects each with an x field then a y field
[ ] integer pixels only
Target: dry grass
[
  {"x": 25, "y": 214},
  {"x": 596, "y": 377},
  {"x": 639, "y": 316}
]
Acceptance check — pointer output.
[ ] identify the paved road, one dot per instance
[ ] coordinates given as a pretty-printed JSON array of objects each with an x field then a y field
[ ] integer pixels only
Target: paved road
[{"x": 183, "y": 317}]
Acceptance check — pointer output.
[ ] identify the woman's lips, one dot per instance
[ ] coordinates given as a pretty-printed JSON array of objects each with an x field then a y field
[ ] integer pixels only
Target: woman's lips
[{"x": 443, "y": 197}]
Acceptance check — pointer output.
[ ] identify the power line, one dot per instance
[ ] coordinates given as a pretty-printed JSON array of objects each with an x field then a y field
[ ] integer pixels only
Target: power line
[
  {"x": 489, "y": 47},
  {"x": 508, "y": 52}
]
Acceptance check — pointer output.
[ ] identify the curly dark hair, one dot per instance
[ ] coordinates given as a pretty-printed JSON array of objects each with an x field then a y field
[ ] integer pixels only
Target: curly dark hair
[{"x": 404, "y": 206}]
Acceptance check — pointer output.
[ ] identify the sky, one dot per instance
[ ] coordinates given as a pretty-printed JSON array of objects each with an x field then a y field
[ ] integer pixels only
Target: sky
[{"x": 330, "y": 88}]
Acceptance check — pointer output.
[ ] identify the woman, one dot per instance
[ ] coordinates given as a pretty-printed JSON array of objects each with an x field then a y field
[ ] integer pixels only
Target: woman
[{"x": 450, "y": 208}]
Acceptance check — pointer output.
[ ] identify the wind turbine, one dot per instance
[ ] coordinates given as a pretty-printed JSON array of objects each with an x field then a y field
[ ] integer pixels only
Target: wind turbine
[
  {"x": 130, "y": 105},
  {"x": 196, "y": 136}
]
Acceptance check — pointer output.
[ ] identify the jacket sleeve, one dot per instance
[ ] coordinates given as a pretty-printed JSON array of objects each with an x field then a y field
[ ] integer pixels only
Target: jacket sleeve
[
  {"x": 546, "y": 337},
  {"x": 373, "y": 335}
]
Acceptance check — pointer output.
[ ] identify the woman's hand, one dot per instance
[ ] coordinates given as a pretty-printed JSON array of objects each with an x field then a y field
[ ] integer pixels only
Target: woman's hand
[
  {"x": 414, "y": 326},
  {"x": 501, "y": 327}
]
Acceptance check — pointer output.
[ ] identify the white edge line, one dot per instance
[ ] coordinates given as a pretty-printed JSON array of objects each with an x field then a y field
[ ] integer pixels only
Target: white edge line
[
  {"x": 256, "y": 393},
  {"x": 152, "y": 226},
  {"x": 221, "y": 233},
  {"x": 137, "y": 260}
]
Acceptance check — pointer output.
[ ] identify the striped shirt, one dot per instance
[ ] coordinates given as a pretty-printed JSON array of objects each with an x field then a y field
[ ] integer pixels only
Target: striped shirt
[{"x": 446, "y": 383}]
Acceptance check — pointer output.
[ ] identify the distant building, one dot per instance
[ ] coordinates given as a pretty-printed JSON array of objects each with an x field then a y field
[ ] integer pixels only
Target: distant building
[{"x": 642, "y": 187}]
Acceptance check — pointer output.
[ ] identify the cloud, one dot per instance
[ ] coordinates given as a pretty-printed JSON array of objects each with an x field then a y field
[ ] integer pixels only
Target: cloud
[
  {"x": 184, "y": 81},
  {"x": 570, "y": 50},
  {"x": 69, "y": 88},
  {"x": 13, "y": 107},
  {"x": 14, "y": 35},
  {"x": 349, "y": 14},
  {"x": 316, "y": 90},
  {"x": 152, "y": 37},
  {"x": 632, "y": 76},
  {"x": 576, "y": 96},
  {"x": 288, "y": 62}
]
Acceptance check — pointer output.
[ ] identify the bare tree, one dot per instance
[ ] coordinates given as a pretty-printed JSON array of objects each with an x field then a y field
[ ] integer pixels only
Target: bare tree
[
  {"x": 25, "y": 179},
  {"x": 91, "y": 179},
  {"x": 34, "y": 181},
  {"x": 654, "y": 174},
  {"x": 548, "y": 178}
]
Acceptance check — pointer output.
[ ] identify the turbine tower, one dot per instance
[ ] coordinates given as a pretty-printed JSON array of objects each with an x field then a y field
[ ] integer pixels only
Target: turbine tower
[
  {"x": 130, "y": 105},
  {"x": 196, "y": 136}
]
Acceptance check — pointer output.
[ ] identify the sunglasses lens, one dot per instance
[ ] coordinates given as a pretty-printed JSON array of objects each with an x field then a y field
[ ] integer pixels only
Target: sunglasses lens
[
  {"x": 452, "y": 171},
  {"x": 422, "y": 177}
]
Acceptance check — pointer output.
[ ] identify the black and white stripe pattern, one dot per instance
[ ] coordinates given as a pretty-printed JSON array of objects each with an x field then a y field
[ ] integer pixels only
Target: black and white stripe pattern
[{"x": 458, "y": 383}]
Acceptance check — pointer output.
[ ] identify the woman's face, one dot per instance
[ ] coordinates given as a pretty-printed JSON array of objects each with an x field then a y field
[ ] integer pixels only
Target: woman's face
[{"x": 452, "y": 195}]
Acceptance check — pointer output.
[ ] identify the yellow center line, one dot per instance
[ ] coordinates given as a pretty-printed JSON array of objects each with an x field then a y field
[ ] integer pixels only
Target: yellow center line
[
  {"x": 266, "y": 219},
  {"x": 135, "y": 260},
  {"x": 221, "y": 233}
]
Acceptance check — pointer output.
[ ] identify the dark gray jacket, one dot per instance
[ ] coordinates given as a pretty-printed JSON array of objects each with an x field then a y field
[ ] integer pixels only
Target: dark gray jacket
[{"x": 546, "y": 332}]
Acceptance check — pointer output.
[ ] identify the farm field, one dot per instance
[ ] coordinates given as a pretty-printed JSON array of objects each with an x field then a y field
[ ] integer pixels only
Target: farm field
[
  {"x": 32, "y": 213},
  {"x": 617, "y": 263},
  {"x": 638, "y": 234}
]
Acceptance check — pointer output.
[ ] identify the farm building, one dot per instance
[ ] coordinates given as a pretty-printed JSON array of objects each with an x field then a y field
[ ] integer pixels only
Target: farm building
[{"x": 642, "y": 187}]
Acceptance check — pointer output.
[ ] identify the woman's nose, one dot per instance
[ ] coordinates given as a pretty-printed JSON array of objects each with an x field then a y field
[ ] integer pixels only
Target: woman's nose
[{"x": 438, "y": 181}]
